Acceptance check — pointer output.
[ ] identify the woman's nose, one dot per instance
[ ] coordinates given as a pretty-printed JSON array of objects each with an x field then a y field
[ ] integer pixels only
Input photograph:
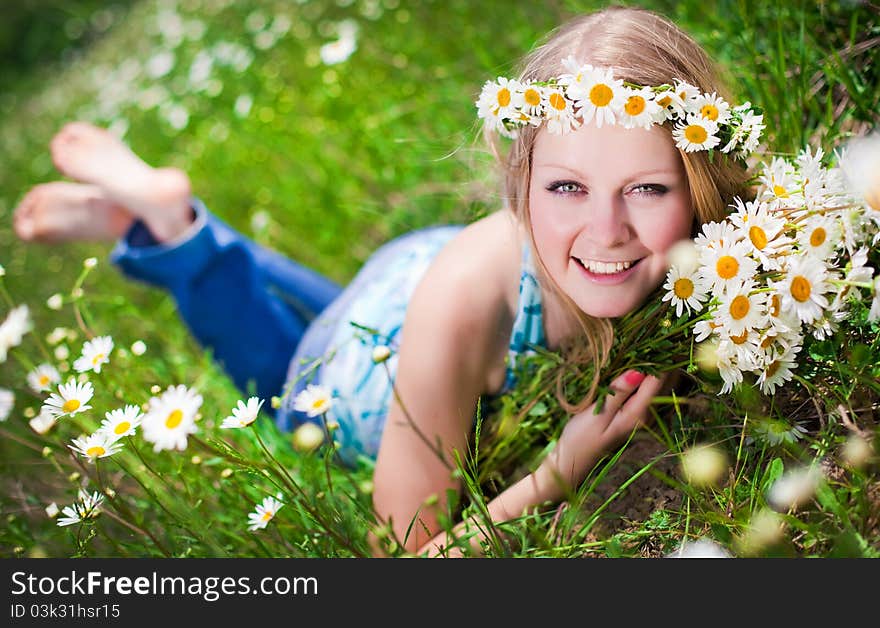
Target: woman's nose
[{"x": 608, "y": 225}]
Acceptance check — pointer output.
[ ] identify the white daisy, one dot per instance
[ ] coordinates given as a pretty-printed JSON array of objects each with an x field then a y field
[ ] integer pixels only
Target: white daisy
[
  {"x": 779, "y": 185},
  {"x": 264, "y": 513},
  {"x": 752, "y": 126},
  {"x": 43, "y": 422},
  {"x": 95, "y": 352},
  {"x": 761, "y": 231},
  {"x": 97, "y": 445},
  {"x": 88, "y": 506},
  {"x": 14, "y": 327},
  {"x": 243, "y": 414},
  {"x": 778, "y": 368},
  {"x": 696, "y": 133},
  {"x": 745, "y": 348},
  {"x": 70, "y": 399},
  {"x": 559, "y": 111},
  {"x": 715, "y": 235},
  {"x": 687, "y": 291},
  {"x": 574, "y": 80},
  {"x": 529, "y": 104},
  {"x": 496, "y": 103},
  {"x": 686, "y": 92},
  {"x": 7, "y": 402},
  {"x": 874, "y": 313},
  {"x": 711, "y": 107},
  {"x": 820, "y": 236},
  {"x": 731, "y": 374},
  {"x": 803, "y": 288},
  {"x": 728, "y": 263},
  {"x": 314, "y": 400},
  {"x": 795, "y": 488},
  {"x": 639, "y": 109},
  {"x": 171, "y": 418},
  {"x": 121, "y": 422},
  {"x": 669, "y": 106},
  {"x": 43, "y": 377},
  {"x": 777, "y": 319},
  {"x": 601, "y": 97}
]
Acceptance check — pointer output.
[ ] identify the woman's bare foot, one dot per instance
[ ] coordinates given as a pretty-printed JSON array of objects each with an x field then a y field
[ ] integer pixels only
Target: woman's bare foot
[
  {"x": 158, "y": 196},
  {"x": 62, "y": 211}
]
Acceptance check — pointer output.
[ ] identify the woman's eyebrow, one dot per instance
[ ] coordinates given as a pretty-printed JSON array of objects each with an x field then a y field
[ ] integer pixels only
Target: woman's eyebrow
[{"x": 634, "y": 175}]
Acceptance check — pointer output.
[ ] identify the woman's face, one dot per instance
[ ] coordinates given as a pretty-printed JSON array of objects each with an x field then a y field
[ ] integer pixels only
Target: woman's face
[{"x": 606, "y": 204}]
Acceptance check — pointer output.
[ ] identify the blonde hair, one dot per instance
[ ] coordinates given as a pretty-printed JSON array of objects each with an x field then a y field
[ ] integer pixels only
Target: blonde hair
[{"x": 647, "y": 49}]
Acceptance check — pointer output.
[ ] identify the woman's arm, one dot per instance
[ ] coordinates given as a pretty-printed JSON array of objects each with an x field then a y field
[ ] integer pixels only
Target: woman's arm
[
  {"x": 455, "y": 335},
  {"x": 584, "y": 439}
]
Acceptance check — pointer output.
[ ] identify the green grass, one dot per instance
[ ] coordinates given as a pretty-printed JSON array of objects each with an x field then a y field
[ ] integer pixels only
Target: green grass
[{"x": 342, "y": 158}]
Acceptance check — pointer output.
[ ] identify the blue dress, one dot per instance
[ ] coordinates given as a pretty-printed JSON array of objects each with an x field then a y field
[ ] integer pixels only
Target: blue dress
[{"x": 276, "y": 326}]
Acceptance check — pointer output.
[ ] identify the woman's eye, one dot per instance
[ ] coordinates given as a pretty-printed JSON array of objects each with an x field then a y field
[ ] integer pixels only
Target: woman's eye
[
  {"x": 564, "y": 187},
  {"x": 649, "y": 189}
]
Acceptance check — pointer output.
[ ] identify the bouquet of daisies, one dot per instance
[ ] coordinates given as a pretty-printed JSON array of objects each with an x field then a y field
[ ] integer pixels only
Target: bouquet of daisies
[{"x": 793, "y": 263}]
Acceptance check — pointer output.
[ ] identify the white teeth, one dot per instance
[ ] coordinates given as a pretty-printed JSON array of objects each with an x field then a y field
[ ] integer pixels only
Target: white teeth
[{"x": 605, "y": 268}]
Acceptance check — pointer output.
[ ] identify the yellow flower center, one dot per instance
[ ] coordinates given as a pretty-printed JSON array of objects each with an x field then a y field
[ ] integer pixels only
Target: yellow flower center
[
  {"x": 503, "y": 97},
  {"x": 665, "y": 101},
  {"x": 44, "y": 379},
  {"x": 122, "y": 427},
  {"x": 727, "y": 267},
  {"x": 818, "y": 236},
  {"x": 634, "y": 105},
  {"x": 268, "y": 515},
  {"x": 738, "y": 340},
  {"x": 532, "y": 97},
  {"x": 95, "y": 452},
  {"x": 601, "y": 95},
  {"x": 800, "y": 288},
  {"x": 709, "y": 111},
  {"x": 767, "y": 342},
  {"x": 771, "y": 370},
  {"x": 683, "y": 288},
  {"x": 775, "y": 305},
  {"x": 758, "y": 237},
  {"x": 174, "y": 419},
  {"x": 780, "y": 191},
  {"x": 97, "y": 359},
  {"x": 557, "y": 101},
  {"x": 695, "y": 134},
  {"x": 317, "y": 404},
  {"x": 70, "y": 405},
  {"x": 739, "y": 307}
]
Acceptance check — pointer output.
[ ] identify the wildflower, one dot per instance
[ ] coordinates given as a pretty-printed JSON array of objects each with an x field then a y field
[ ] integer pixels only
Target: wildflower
[
  {"x": 778, "y": 368},
  {"x": 307, "y": 437},
  {"x": 726, "y": 263},
  {"x": 600, "y": 97},
  {"x": 12, "y": 330},
  {"x": 171, "y": 418},
  {"x": 89, "y": 506},
  {"x": 94, "y": 353},
  {"x": 264, "y": 513},
  {"x": 55, "y": 302},
  {"x": 874, "y": 313},
  {"x": 90, "y": 262},
  {"x": 243, "y": 414},
  {"x": 857, "y": 451},
  {"x": 794, "y": 488},
  {"x": 740, "y": 309},
  {"x": 696, "y": 133},
  {"x": 97, "y": 445},
  {"x": 121, "y": 422},
  {"x": 52, "y": 510},
  {"x": 820, "y": 236},
  {"x": 711, "y": 107},
  {"x": 70, "y": 399},
  {"x": 701, "y": 548},
  {"x": 7, "y": 402},
  {"x": 802, "y": 288},
  {"x": 703, "y": 465},
  {"x": 62, "y": 352},
  {"x": 559, "y": 111},
  {"x": 138, "y": 347},
  {"x": 777, "y": 431},
  {"x": 728, "y": 367},
  {"x": 42, "y": 377},
  {"x": 496, "y": 103},
  {"x": 760, "y": 230},
  {"x": 314, "y": 400},
  {"x": 639, "y": 108},
  {"x": 56, "y": 335},
  {"x": 686, "y": 291},
  {"x": 43, "y": 422},
  {"x": 381, "y": 353}
]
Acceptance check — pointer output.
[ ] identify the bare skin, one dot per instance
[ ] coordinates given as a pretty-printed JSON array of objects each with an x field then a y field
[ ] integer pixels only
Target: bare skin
[
  {"x": 61, "y": 211},
  {"x": 158, "y": 196}
]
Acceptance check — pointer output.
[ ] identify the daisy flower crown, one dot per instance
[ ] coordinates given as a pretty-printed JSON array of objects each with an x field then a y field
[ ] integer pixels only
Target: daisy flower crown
[{"x": 700, "y": 121}]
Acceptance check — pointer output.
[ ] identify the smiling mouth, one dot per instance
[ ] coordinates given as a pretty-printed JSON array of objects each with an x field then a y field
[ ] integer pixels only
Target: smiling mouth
[{"x": 606, "y": 268}]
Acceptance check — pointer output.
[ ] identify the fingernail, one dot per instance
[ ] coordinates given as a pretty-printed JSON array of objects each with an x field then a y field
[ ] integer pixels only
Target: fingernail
[{"x": 634, "y": 378}]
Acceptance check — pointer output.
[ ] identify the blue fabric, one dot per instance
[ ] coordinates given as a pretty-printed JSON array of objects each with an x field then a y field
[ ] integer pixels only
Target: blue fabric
[{"x": 277, "y": 326}]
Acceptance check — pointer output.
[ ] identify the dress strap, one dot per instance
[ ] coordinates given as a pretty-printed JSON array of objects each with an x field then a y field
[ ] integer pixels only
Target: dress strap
[{"x": 528, "y": 324}]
